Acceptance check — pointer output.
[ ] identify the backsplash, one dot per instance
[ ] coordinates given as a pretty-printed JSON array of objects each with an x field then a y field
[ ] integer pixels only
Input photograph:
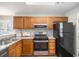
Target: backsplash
[{"x": 32, "y": 32}]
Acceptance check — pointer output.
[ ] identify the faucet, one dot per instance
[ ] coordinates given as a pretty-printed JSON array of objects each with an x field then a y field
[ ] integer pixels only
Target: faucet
[{"x": 3, "y": 42}]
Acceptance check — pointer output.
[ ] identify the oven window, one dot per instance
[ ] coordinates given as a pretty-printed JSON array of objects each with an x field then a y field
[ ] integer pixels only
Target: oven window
[{"x": 41, "y": 46}]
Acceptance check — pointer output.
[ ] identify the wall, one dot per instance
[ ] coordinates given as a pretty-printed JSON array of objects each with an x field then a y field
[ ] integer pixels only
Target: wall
[
  {"x": 72, "y": 14},
  {"x": 54, "y": 14},
  {"x": 73, "y": 17}
]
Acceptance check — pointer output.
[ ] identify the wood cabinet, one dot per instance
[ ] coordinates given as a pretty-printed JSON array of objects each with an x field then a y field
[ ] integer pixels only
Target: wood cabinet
[
  {"x": 52, "y": 47},
  {"x": 18, "y": 49},
  {"x": 27, "y": 23},
  {"x": 18, "y": 22},
  {"x": 51, "y": 20},
  {"x": 12, "y": 51},
  {"x": 61, "y": 19},
  {"x": 39, "y": 20},
  {"x": 27, "y": 47},
  {"x": 21, "y": 22},
  {"x": 15, "y": 49}
]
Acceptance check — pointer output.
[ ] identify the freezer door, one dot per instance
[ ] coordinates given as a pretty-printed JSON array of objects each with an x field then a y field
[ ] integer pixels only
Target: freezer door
[{"x": 69, "y": 42}]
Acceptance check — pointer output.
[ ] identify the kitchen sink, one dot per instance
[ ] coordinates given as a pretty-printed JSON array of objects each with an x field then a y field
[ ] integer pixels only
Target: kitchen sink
[{"x": 6, "y": 41}]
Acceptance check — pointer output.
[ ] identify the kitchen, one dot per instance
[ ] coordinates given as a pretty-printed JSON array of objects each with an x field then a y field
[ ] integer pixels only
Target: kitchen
[{"x": 38, "y": 31}]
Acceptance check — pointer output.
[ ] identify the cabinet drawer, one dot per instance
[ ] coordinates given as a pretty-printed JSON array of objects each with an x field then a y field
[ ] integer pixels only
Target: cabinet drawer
[
  {"x": 51, "y": 44},
  {"x": 51, "y": 48},
  {"x": 27, "y": 40},
  {"x": 52, "y": 40},
  {"x": 52, "y": 52}
]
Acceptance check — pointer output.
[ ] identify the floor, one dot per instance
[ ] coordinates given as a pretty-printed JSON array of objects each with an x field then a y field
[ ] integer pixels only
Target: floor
[{"x": 39, "y": 54}]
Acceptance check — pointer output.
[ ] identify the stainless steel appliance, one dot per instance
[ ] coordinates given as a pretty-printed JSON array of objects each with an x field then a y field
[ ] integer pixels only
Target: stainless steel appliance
[
  {"x": 40, "y": 26},
  {"x": 40, "y": 44},
  {"x": 64, "y": 34}
]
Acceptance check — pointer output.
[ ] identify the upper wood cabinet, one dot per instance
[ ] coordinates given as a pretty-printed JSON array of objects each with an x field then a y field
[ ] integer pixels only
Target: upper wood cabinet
[
  {"x": 51, "y": 20},
  {"x": 39, "y": 20},
  {"x": 18, "y": 22},
  {"x": 21, "y": 22},
  {"x": 61, "y": 19},
  {"x": 27, "y": 23}
]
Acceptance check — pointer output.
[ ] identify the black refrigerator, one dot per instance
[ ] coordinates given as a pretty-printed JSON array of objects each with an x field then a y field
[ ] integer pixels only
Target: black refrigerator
[{"x": 64, "y": 34}]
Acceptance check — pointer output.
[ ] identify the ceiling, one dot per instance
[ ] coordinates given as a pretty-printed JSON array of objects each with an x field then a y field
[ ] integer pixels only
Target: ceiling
[{"x": 20, "y": 8}]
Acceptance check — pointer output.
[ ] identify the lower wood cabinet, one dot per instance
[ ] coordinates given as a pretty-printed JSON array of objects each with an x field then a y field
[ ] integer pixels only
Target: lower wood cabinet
[
  {"x": 27, "y": 47},
  {"x": 15, "y": 49},
  {"x": 12, "y": 53},
  {"x": 18, "y": 48},
  {"x": 18, "y": 51},
  {"x": 52, "y": 47}
]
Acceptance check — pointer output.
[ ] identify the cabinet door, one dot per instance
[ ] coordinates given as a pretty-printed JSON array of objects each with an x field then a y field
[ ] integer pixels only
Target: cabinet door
[
  {"x": 18, "y": 50},
  {"x": 18, "y": 23},
  {"x": 11, "y": 50},
  {"x": 39, "y": 20},
  {"x": 42, "y": 20},
  {"x": 51, "y": 20},
  {"x": 27, "y": 47},
  {"x": 61, "y": 19},
  {"x": 27, "y": 23},
  {"x": 12, "y": 53}
]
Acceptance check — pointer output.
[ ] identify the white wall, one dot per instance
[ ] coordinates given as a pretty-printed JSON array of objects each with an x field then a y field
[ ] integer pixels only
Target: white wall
[
  {"x": 72, "y": 14},
  {"x": 54, "y": 14},
  {"x": 73, "y": 17}
]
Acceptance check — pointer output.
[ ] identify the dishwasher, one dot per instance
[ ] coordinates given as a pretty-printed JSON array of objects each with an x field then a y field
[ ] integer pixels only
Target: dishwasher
[{"x": 4, "y": 52}]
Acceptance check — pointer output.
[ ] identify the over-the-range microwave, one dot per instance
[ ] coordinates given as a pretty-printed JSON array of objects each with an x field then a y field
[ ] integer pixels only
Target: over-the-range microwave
[{"x": 40, "y": 26}]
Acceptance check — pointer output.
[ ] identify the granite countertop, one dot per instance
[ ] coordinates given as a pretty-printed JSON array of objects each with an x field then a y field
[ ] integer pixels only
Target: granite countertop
[
  {"x": 23, "y": 37},
  {"x": 7, "y": 45},
  {"x": 50, "y": 37},
  {"x": 17, "y": 39}
]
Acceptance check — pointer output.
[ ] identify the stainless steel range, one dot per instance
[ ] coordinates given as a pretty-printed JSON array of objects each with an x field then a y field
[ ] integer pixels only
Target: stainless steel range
[{"x": 40, "y": 44}]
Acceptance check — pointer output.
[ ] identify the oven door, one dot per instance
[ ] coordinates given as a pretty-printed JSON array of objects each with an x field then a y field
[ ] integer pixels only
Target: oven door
[{"x": 40, "y": 46}]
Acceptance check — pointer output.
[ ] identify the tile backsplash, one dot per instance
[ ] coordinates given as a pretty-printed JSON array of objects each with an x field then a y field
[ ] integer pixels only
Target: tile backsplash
[{"x": 32, "y": 32}]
